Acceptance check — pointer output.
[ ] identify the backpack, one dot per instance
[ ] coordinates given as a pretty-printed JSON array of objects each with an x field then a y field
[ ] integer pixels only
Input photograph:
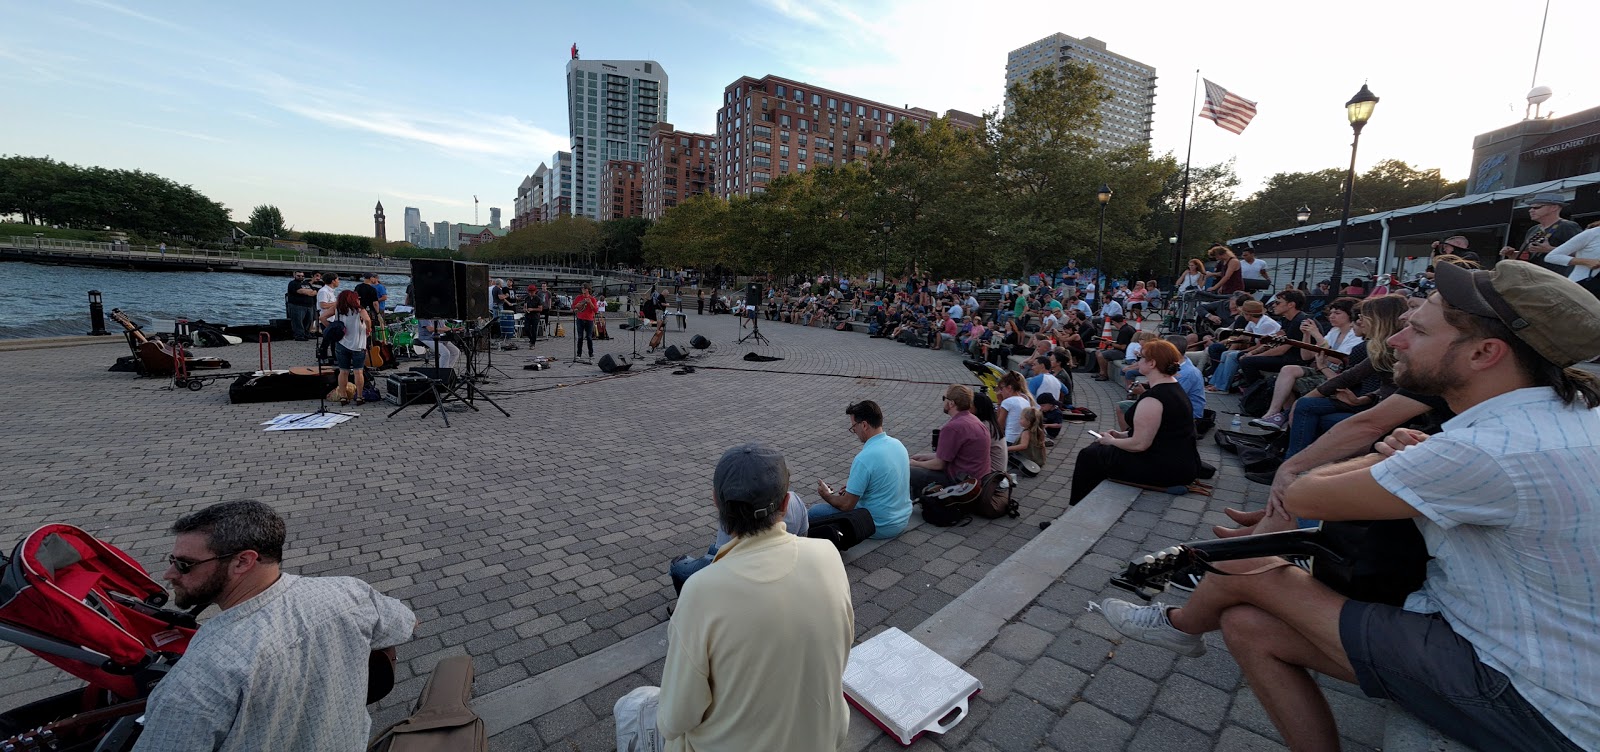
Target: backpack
[
  {"x": 994, "y": 497},
  {"x": 1257, "y": 398},
  {"x": 844, "y": 530}
]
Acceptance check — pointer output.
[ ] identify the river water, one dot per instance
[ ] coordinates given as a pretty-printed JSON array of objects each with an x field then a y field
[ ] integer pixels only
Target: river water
[{"x": 37, "y": 300}]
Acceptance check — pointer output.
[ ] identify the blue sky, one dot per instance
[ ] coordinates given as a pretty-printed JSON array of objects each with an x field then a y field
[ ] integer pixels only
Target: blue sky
[{"x": 323, "y": 108}]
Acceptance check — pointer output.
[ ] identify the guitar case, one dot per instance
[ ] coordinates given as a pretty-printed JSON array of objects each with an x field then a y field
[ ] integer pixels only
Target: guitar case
[{"x": 282, "y": 386}]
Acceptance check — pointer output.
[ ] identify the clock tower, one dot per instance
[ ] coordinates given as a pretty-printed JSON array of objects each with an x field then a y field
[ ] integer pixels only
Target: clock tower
[{"x": 378, "y": 230}]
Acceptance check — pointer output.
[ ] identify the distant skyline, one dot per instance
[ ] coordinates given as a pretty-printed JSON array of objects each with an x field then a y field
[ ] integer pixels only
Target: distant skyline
[{"x": 323, "y": 109}]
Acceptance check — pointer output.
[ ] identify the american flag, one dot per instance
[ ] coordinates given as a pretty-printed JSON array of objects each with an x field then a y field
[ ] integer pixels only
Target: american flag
[{"x": 1229, "y": 110}]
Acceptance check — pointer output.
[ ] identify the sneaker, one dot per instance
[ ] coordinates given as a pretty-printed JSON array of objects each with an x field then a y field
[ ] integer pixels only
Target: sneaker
[
  {"x": 1273, "y": 422},
  {"x": 1186, "y": 580},
  {"x": 1149, "y": 625}
]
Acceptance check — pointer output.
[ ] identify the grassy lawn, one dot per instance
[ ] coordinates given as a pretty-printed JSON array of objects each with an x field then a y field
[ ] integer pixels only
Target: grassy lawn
[{"x": 8, "y": 229}]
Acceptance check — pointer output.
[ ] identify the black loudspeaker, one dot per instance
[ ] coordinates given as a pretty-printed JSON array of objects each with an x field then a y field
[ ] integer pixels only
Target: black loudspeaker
[
  {"x": 614, "y": 363},
  {"x": 699, "y": 342},
  {"x": 433, "y": 288},
  {"x": 752, "y": 294},
  {"x": 676, "y": 353},
  {"x": 472, "y": 290}
]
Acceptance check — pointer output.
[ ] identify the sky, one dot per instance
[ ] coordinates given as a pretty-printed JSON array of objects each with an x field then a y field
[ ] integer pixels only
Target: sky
[{"x": 324, "y": 108}]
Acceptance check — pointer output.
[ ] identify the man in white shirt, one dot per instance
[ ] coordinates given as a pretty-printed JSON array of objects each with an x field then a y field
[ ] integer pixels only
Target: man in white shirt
[
  {"x": 327, "y": 300},
  {"x": 284, "y": 665},
  {"x": 1500, "y": 647},
  {"x": 1582, "y": 253},
  {"x": 1254, "y": 271}
]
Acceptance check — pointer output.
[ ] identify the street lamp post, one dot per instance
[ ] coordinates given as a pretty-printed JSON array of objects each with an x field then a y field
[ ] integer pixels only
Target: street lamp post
[
  {"x": 1177, "y": 260},
  {"x": 1359, "y": 110},
  {"x": 1100, "y": 248},
  {"x": 1301, "y": 216}
]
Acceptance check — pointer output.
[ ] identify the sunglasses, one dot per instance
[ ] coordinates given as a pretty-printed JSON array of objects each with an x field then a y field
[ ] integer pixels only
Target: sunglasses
[{"x": 184, "y": 566}]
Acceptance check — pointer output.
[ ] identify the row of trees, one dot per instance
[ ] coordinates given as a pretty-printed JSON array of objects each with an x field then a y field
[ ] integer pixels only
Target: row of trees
[
  {"x": 46, "y": 192},
  {"x": 568, "y": 240}
]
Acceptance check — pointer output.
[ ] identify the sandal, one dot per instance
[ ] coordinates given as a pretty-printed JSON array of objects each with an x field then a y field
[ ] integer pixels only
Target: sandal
[
  {"x": 343, "y": 402},
  {"x": 360, "y": 402}
]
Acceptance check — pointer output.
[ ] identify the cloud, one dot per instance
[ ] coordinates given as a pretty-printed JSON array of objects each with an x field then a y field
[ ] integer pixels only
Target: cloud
[
  {"x": 129, "y": 12},
  {"x": 175, "y": 132}
]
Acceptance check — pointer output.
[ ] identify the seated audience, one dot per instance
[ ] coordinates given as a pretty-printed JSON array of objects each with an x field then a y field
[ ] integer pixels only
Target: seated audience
[
  {"x": 757, "y": 647},
  {"x": 1030, "y": 443},
  {"x": 879, "y": 476},
  {"x": 1227, "y": 365},
  {"x": 1160, "y": 448},
  {"x": 1301, "y": 379},
  {"x": 983, "y": 410},
  {"x": 963, "y": 449},
  {"x": 1112, "y": 352},
  {"x": 1288, "y": 307},
  {"x": 1014, "y": 398}
]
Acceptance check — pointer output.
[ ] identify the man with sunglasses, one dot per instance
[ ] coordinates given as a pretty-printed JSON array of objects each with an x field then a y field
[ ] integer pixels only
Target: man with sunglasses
[
  {"x": 284, "y": 665},
  {"x": 962, "y": 449}
]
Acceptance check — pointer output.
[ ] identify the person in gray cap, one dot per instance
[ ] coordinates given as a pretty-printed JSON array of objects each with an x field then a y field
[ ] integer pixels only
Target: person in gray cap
[
  {"x": 1500, "y": 647},
  {"x": 757, "y": 647},
  {"x": 1549, "y": 229}
]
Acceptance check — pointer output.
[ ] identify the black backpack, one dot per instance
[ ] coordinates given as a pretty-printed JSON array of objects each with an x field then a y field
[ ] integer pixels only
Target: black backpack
[{"x": 844, "y": 530}]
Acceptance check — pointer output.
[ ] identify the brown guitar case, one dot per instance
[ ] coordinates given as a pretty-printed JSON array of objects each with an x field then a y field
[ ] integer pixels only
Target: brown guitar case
[{"x": 443, "y": 720}]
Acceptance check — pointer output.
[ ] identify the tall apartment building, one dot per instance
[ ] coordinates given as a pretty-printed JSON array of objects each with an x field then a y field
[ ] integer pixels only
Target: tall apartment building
[
  {"x": 413, "y": 220},
  {"x": 612, "y": 106},
  {"x": 441, "y": 235},
  {"x": 424, "y": 236},
  {"x": 622, "y": 182},
  {"x": 529, "y": 206},
  {"x": 494, "y": 217},
  {"x": 681, "y": 164},
  {"x": 1126, "y": 118},
  {"x": 771, "y": 126},
  {"x": 557, "y": 192}
]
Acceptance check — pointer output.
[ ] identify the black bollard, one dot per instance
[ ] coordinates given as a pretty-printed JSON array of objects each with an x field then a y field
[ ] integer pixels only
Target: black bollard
[{"x": 97, "y": 315}]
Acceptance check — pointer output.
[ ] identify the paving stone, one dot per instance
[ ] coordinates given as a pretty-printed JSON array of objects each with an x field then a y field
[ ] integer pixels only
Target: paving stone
[
  {"x": 563, "y": 721},
  {"x": 1047, "y": 619},
  {"x": 1193, "y": 702},
  {"x": 1021, "y": 642},
  {"x": 1076, "y": 647},
  {"x": 1089, "y": 729},
  {"x": 1237, "y": 739},
  {"x": 1121, "y": 692},
  {"x": 1017, "y": 724},
  {"x": 1050, "y": 682},
  {"x": 1158, "y": 733},
  {"x": 996, "y": 672}
]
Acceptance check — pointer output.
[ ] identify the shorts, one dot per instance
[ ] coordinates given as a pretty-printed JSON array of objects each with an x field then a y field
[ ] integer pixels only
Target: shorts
[
  {"x": 1418, "y": 661},
  {"x": 347, "y": 359}
]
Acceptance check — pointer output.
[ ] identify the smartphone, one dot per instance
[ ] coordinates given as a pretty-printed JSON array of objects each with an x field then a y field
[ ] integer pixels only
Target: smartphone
[{"x": 1096, "y": 434}]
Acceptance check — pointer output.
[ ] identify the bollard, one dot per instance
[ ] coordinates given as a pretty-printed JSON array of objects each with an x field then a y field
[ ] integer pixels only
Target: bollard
[{"x": 97, "y": 315}]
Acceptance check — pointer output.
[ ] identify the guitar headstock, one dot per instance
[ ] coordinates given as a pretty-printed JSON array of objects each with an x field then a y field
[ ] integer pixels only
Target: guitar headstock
[{"x": 1148, "y": 574}]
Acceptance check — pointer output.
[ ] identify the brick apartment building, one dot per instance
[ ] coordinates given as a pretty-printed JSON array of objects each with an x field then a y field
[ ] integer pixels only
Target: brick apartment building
[
  {"x": 679, "y": 164},
  {"x": 771, "y": 126},
  {"x": 621, "y": 189}
]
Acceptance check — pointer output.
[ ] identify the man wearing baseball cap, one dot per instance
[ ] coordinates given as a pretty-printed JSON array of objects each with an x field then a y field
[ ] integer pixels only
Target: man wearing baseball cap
[
  {"x": 1500, "y": 647},
  {"x": 757, "y": 647},
  {"x": 1549, "y": 229}
]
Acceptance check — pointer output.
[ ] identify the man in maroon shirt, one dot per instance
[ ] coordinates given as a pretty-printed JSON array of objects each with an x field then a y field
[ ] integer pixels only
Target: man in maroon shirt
[{"x": 963, "y": 445}]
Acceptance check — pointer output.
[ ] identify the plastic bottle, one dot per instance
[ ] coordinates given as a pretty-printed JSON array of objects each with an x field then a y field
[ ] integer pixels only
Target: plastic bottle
[{"x": 1236, "y": 421}]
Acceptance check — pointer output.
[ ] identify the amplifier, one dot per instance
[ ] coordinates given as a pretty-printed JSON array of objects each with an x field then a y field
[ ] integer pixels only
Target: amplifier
[{"x": 405, "y": 388}]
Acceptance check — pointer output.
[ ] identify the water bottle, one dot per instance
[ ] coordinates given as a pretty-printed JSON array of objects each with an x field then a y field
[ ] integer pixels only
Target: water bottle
[{"x": 1236, "y": 421}]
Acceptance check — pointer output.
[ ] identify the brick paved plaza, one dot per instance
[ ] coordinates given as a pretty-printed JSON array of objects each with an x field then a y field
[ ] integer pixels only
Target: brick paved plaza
[{"x": 538, "y": 543}]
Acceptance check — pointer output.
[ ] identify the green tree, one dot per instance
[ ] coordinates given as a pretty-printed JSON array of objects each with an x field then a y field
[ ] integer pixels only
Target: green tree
[
  {"x": 1212, "y": 210},
  {"x": 350, "y": 245},
  {"x": 622, "y": 240},
  {"x": 568, "y": 239},
  {"x": 1390, "y": 184},
  {"x": 267, "y": 222},
  {"x": 694, "y": 234}
]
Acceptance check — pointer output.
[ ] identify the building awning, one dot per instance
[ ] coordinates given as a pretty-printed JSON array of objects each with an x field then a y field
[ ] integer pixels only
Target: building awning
[{"x": 1567, "y": 139}]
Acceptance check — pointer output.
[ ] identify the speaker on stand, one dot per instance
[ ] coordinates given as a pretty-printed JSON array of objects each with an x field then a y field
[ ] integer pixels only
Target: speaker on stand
[{"x": 752, "y": 304}]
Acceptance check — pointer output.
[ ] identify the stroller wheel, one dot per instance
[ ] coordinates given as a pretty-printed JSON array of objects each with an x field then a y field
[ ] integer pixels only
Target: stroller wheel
[{"x": 196, "y": 385}]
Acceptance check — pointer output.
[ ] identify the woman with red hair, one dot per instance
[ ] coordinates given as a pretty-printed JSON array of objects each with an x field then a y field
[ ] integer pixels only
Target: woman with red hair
[{"x": 350, "y": 352}]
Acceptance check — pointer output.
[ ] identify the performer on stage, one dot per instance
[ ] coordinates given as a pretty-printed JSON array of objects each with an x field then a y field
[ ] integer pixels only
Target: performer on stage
[
  {"x": 584, "y": 308},
  {"x": 651, "y": 311},
  {"x": 534, "y": 307}
]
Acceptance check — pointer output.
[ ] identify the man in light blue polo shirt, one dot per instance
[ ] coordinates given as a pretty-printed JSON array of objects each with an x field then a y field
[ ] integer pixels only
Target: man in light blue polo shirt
[{"x": 880, "y": 476}]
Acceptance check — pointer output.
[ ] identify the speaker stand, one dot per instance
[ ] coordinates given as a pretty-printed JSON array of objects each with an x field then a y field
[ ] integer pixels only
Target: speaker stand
[
  {"x": 755, "y": 330},
  {"x": 633, "y": 311}
]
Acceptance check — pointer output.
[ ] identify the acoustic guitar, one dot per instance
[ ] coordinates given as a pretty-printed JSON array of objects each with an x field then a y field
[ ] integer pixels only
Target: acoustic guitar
[
  {"x": 156, "y": 356},
  {"x": 375, "y": 353},
  {"x": 1279, "y": 339}
]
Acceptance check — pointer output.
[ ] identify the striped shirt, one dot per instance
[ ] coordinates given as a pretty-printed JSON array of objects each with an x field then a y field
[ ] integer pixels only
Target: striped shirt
[{"x": 1510, "y": 497}]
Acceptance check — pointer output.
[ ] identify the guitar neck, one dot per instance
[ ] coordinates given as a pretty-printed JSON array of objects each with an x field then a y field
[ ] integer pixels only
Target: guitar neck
[
  {"x": 1278, "y": 339},
  {"x": 1146, "y": 575}
]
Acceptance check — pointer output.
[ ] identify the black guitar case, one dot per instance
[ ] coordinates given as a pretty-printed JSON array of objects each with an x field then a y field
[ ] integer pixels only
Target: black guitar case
[{"x": 280, "y": 386}]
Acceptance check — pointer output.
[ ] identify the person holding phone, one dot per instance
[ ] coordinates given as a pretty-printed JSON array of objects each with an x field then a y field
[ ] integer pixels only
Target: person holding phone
[{"x": 1159, "y": 449}]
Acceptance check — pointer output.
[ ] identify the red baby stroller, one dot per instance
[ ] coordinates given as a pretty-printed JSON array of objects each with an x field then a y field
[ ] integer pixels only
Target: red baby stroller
[{"x": 92, "y": 611}]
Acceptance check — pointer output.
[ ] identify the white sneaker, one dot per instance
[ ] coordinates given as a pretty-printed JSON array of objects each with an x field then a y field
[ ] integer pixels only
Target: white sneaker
[{"x": 1149, "y": 625}]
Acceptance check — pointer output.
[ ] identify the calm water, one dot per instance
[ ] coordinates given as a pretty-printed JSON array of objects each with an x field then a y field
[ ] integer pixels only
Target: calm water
[{"x": 53, "y": 301}]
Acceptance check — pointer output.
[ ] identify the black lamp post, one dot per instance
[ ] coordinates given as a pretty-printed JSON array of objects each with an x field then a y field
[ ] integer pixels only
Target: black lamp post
[
  {"x": 1301, "y": 216},
  {"x": 1100, "y": 247},
  {"x": 1359, "y": 109}
]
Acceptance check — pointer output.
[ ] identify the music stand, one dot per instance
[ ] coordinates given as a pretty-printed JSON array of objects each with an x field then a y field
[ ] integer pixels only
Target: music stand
[{"x": 322, "y": 403}]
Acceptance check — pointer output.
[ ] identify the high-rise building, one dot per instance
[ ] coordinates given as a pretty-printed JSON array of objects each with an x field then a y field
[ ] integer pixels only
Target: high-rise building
[
  {"x": 680, "y": 164},
  {"x": 612, "y": 107},
  {"x": 380, "y": 230},
  {"x": 622, "y": 183},
  {"x": 1126, "y": 118},
  {"x": 494, "y": 217},
  {"x": 424, "y": 235},
  {"x": 528, "y": 207},
  {"x": 557, "y": 187},
  {"x": 441, "y": 235},
  {"x": 771, "y": 126},
  {"x": 413, "y": 220}
]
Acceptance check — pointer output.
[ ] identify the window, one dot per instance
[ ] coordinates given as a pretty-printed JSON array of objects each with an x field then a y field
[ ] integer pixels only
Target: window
[
  {"x": 782, "y": 90},
  {"x": 802, "y": 139},
  {"x": 760, "y": 177},
  {"x": 877, "y": 140},
  {"x": 833, "y": 104},
  {"x": 799, "y": 96},
  {"x": 861, "y": 110},
  {"x": 875, "y": 114},
  {"x": 800, "y": 167},
  {"x": 783, "y": 136},
  {"x": 816, "y": 99},
  {"x": 783, "y": 165},
  {"x": 762, "y": 131},
  {"x": 783, "y": 120},
  {"x": 760, "y": 163},
  {"x": 783, "y": 151},
  {"x": 802, "y": 155},
  {"x": 803, "y": 125}
]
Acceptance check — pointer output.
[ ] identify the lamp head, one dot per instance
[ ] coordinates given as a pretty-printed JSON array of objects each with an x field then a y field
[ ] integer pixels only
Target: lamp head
[
  {"x": 1360, "y": 107},
  {"x": 1302, "y": 214},
  {"x": 1105, "y": 193}
]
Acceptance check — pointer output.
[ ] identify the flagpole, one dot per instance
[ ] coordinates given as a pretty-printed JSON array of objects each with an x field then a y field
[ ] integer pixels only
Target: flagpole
[{"x": 1183, "y": 203}]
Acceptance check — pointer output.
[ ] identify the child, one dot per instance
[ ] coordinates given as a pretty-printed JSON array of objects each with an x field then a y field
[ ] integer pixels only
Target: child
[{"x": 1031, "y": 444}]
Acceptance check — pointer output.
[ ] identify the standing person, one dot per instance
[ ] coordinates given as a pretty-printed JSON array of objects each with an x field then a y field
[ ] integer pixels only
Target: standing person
[
  {"x": 700, "y": 302},
  {"x": 350, "y": 352},
  {"x": 757, "y": 647},
  {"x": 1229, "y": 274},
  {"x": 880, "y": 476},
  {"x": 383, "y": 299},
  {"x": 1160, "y": 449},
  {"x": 1549, "y": 230},
  {"x": 278, "y": 639},
  {"x": 327, "y": 300},
  {"x": 1582, "y": 253},
  {"x": 1498, "y": 647},
  {"x": 299, "y": 304},
  {"x": 963, "y": 449},
  {"x": 367, "y": 292},
  {"x": 1254, "y": 271},
  {"x": 584, "y": 308},
  {"x": 533, "y": 307}
]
